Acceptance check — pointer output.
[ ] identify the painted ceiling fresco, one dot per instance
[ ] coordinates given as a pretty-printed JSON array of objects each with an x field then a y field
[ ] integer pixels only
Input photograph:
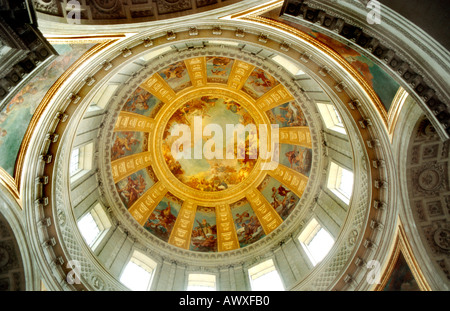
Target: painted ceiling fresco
[
  {"x": 174, "y": 97},
  {"x": 218, "y": 173},
  {"x": 17, "y": 114},
  {"x": 142, "y": 102},
  {"x": 382, "y": 83},
  {"x": 402, "y": 278}
]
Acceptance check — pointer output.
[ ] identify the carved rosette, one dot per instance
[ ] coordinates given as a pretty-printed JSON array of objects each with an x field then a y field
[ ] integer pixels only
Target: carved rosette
[{"x": 430, "y": 179}]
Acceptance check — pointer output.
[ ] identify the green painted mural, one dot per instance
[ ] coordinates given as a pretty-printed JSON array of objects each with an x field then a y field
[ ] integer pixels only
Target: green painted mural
[
  {"x": 381, "y": 82},
  {"x": 17, "y": 114}
]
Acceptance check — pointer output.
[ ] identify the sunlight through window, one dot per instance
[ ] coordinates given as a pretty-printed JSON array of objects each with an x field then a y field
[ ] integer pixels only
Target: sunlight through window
[
  {"x": 316, "y": 241},
  {"x": 340, "y": 182},
  {"x": 331, "y": 117},
  {"x": 265, "y": 277},
  {"x": 346, "y": 183},
  {"x": 89, "y": 229},
  {"x": 201, "y": 282},
  {"x": 75, "y": 162},
  {"x": 135, "y": 277},
  {"x": 320, "y": 245},
  {"x": 94, "y": 225},
  {"x": 81, "y": 161},
  {"x": 138, "y": 273}
]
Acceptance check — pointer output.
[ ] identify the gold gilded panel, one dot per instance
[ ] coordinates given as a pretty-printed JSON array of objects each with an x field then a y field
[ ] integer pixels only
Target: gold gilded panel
[
  {"x": 182, "y": 230},
  {"x": 144, "y": 206},
  {"x": 158, "y": 87},
  {"x": 197, "y": 71},
  {"x": 226, "y": 232},
  {"x": 266, "y": 214},
  {"x": 275, "y": 97},
  {"x": 128, "y": 121},
  {"x": 292, "y": 179},
  {"x": 295, "y": 136},
  {"x": 239, "y": 74},
  {"x": 124, "y": 167}
]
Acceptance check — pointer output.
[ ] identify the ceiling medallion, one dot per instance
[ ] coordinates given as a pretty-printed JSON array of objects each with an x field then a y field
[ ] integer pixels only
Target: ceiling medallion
[
  {"x": 194, "y": 176},
  {"x": 211, "y": 154},
  {"x": 219, "y": 163}
]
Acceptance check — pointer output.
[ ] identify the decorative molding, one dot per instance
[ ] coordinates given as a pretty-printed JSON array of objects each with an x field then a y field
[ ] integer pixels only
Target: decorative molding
[
  {"x": 401, "y": 246},
  {"x": 427, "y": 172},
  {"x": 100, "y": 12}
]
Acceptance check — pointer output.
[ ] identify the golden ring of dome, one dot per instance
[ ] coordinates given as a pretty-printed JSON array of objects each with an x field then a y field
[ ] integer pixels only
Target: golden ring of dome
[{"x": 177, "y": 187}]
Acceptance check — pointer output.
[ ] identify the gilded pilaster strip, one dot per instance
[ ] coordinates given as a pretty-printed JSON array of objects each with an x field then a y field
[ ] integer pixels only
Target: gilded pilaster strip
[
  {"x": 124, "y": 167},
  {"x": 300, "y": 136},
  {"x": 197, "y": 71},
  {"x": 266, "y": 214},
  {"x": 158, "y": 87},
  {"x": 294, "y": 180},
  {"x": 239, "y": 74},
  {"x": 143, "y": 208},
  {"x": 128, "y": 121},
  {"x": 182, "y": 230},
  {"x": 226, "y": 232},
  {"x": 275, "y": 97}
]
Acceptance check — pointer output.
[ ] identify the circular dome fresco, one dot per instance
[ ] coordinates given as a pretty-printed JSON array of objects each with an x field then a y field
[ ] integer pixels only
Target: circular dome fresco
[{"x": 211, "y": 154}]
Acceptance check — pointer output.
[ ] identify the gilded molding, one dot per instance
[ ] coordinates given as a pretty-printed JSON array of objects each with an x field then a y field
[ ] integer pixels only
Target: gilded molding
[
  {"x": 292, "y": 179},
  {"x": 299, "y": 135},
  {"x": 10, "y": 184},
  {"x": 182, "y": 230},
  {"x": 158, "y": 87},
  {"x": 275, "y": 97},
  {"x": 226, "y": 231},
  {"x": 197, "y": 71},
  {"x": 144, "y": 206},
  {"x": 402, "y": 246},
  {"x": 128, "y": 121},
  {"x": 264, "y": 211},
  {"x": 124, "y": 167},
  {"x": 239, "y": 74}
]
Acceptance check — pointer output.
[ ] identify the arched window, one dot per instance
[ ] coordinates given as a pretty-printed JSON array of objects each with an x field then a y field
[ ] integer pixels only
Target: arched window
[
  {"x": 288, "y": 65},
  {"x": 103, "y": 95}
]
